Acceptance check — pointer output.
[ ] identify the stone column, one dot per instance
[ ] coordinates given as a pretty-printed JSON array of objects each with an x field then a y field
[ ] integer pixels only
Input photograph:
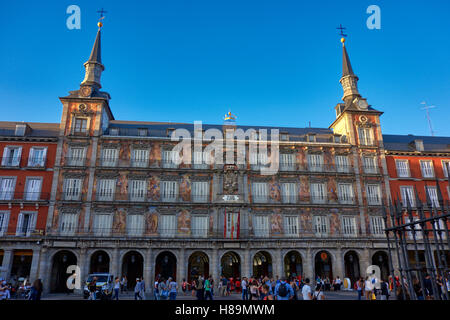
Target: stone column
[
  {"x": 338, "y": 265},
  {"x": 308, "y": 265},
  {"x": 278, "y": 268},
  {"x": 214, "y": 266},
  {"x": 44, "y": 272},
  {"x": 181, "y": 267},
  {"x": 35, "y": 264},
  {"x": 7, "y": 263},
  {"x": 365, "y": 262},
  {"x": 83, "y": 263},
  {"x": 147, "y": 271},
  {"x": 115, "y": 263},
  {"x": 246, "y": 268}
]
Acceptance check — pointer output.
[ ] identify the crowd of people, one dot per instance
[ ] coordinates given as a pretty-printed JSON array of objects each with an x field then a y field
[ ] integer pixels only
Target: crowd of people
[{"x": 21, "y": 289}]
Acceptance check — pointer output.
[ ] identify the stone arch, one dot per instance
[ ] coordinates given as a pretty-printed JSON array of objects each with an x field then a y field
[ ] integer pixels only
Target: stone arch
[
  {"x": 323, "y": 264},
  {"x": 293, "y": 263},
  {"x": 132, "y": 266},
  {"x": 198, "y": 265},
  {"x": 60, "y": 261},
  {"x": 381, "y": 259},
  {"x": 262, "y": 264},
  {"x": 230, "y": 264},
  {"x": 352, "y": 265},
  {"x": 166, "y": 264},
  {"x": 99, "y": 261}
]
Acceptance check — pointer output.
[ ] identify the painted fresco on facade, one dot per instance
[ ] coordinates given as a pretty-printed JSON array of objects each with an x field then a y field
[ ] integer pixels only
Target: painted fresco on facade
[
  {"x": 185, "y": 188},
  {"x": 184, "y": 222}
]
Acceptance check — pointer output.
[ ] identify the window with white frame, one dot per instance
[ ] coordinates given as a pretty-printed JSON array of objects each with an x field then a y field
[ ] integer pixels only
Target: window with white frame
[
  {"x": 349, "y": 226},
  {"x": 135, "y": 224},
  {"x": 26, "y": 223},
  {"x": 342, "y": 164},
  {"x": 11, "y": 156},
  {"x": 287, "y": 161},
  {"x": 365, "y": 136},
  {"x": 139, "y": 158},
  {"x": 407, "y": 192},
  {"x": 432, "y": 194},
  {"x": 200, "y": 160},
  {"x": 105, "y": 189},
  {"x": 321, "y": 225},
  {"x": 200, "y": 191},
  {"x": 345, "y": 193},
  {"x": 377, "y": 225},
  {"x": 370, "y": 164},
  {"x": 68, "y": 223},
  {"x": 258, "y": 159},
  {"x": 259, "y": 192},
  {"x": 445, "y": 167},
  {"x": 102, "y": 224},
  {"x": 289, "y": 192},
  {"x": 373, "y": 194},
  {"x": 80, "y": 125},
  {"x": 315, "y": 162},
  {"x": 169, "y": 191},
  {"x": 416, "y": 227},
  {"x": 426, "y": 166},
  {"x": 168, "y": 226},
  {"x": 142, "y": 132},
  {"x": 199, "y": 226},
  {"x": 4, "y": 219},
  {"x": 402, "y": 168},
  {"x": 7, "y": 185},
  {"x": 291, "y": 226},
  {"x": 72, "y": 189},
  {"x": 440, "y": 229},
  {"x": 37, "y": 156},
  {"x": 261, "y": 226},
  {"x": 76, "y": 156},
  {"x": 33, "y": 189},
  {"x": 137, "y": 190},
  {"x": 170, "y": 158},
  {"x": 109, "y": 157},
  {"x": 318, "y": 192}
]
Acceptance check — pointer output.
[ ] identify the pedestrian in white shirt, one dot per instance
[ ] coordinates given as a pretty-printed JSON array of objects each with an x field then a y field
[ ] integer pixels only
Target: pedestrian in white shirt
[{"x": 306, "y": 290}]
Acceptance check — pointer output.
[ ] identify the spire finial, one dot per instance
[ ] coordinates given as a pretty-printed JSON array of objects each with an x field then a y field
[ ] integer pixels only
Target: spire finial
[
  {"x": 100, "y": 23},
  {"x": 341, "y": 33}
]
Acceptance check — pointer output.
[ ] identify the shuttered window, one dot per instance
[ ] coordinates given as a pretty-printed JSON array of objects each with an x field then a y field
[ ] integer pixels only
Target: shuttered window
[
  {"x": 377, "y": 225},
  {"x": 68, "y": 223},
  {"x": 7, "y": 186},
  {"x": 291, "y": 226},
  {"x": 289, "y": 192},
  {"x": 349, "y": 226},
  {"x": 105, "y": 190},
  {"x": 402, "y": 168},
  {"x": 168, "y": 226},
  {"x": 33, "y": 189},
  {"x": 135, "y": 224},
  {"x": 200, "y": 191},
  {"x": 287, "y": 162},
  {"x": 432, "y": 193},
  {"x": 170, "y": 159},
  {"x": 4, "y": 218},
  {"x": 137, "y": 189},
  {"x": 259, "y": 190},
  {"x": 373, "y": 194},
  {"x": 315, "y": 162},
  {"x": 321, "y": 225},
  {"x": 345, "y": 192},
  {"x": 109, "y": 157},
  {"x": 261, "y": 226},
  {"x": 72, "y": 189},
  {"x": 139, "y": 158},
  {"x": 102, "y": 224},
  {"x": 369, "y": 164},
  {"x": 342, "y": 164},
  {"x": 169, "y": 191},
  {"x": 37, "y": 157},
  {"x": 199, "y": 226},
  {"x": 407, "y": 192},
  {"x": 76, "y": 157},
  {"x": 427, "y": 169},
  {"x": 365, "y": 136},
  {"x": 26, "y": 223},
  {"x": 318, "y": 192}
]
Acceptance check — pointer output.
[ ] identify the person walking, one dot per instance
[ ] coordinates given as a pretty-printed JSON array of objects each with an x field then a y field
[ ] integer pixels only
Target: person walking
[
  {"x": 318, "y": 293},
  {"x": 173, "y": 286},
  {"x": 137, "y": 290},
  {"x": 208, "y": 289},
  {"x": 36, "y": 290},
  {"x": 360, "y": 287},
  {"x": 384, "y": 290},
  {"x": 306, "y": 290},
  {"x": 244, "y": 285},
  {"x": 92, "y": 289},
  {"x": 368, "y": 288},
  {"x": 199, "y": 286},
  {"x": 294, "y": 287},
  {"x": 283, "y": 290},
  {"x": 184, "y": 286},
  {"x": 124, "y": 284},
  {"x": 117, "y": 287},
  {"x": 266, "y": 291},
  {"x": 254, "y": 290},
  {"x": 163, "y": 289},
  {"x": 155, "y": 289},
  {"x": 142, "y": 293}
]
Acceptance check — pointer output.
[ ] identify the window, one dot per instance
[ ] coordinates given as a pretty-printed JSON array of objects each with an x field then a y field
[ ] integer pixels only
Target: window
[
  {"x": 231, "y": 225},
  {"x": 416, "y": 227},
  {"x": 311, "y": 138},
  {"x": 170, "y": 159},
  {"x": 68, "y": 223},
  {"x": 200, "y": 191},
  {"x": 4, "y": 219},
  {"x": 20, "y": 129},
  {"x": 445, "y": 167},
  {"x": 402, "y": 168},
  {"x": 342, "y": 163},
  {"x": 365, "y": 136},
  {"x": 440, "y": 227},
  {"x": 321, "y": 225},
  {"x": 109, "y": 157},
  {"x": 139, "y": 158},
  {"x": 138, "y": 190},
  {"x": 377, "y": 225},
  {"x": 289, "y": 192},
  {"x": 315, "y": 162},
  {"x": 11, "y": 156},
  {"x": 102, "y": 224},
  {"x": 318, "y": 193},
  {"x": 345, "y": 193},
  {"x": 427, "y": 168},
  {"x": 349, "y": 226},
  {"x": 26, "y": 223},
  {"x": 259, "y": 190},
  {"x": 7, "y": 186},
  {"x": 373, "y": 194},
  {"x": 80, "y": 125},
  {"x": 114, "y": 131},
  {"x": 168, "y": 225},
  {"x": 200, "y": 160},
  {"x": 284, "y": 137},
  {"x": 291, "y": 226},
  {"x": 261, "y": 226},
  {"x": 135, "y": 224},
  {"x": 33, "y": 189},
  {"x": 169, "y": 191},
  {"x": 76, "y": 157},
  {"x": 287, "y": 162},
  {"x": 106, "y": 188},
  {"x": 369, "y": 164},
  {"x": 258, "y": 159},
  {"x": 199, "y": 226},
  {"x": 432, "y": 194},
  {"x": 408, "y": 192},
  {"x": 72, "y": 189},
  {"x": 37, "y": 156},
  {"x": 142, "y": 132}
]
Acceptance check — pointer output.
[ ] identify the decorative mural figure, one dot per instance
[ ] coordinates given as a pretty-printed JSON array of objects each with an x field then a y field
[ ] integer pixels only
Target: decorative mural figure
[
  {"x": 333, "y": 195},
  {"x": 124, "y": 152},
  {"x": 304, "y": 189},
  {"x": 185, "y": 188},
  {"x": 155, "y": 153},
  {"x": 274, "y": 190},
  {"x": 300, "y": 158},
  {"x": 275, "y": 221},
  {"x": 184, "y": 222},
  {"x": 327, "y": 158},
  {"x": 334, "y": 221},
  {"x": 230, "y": 179},
  {"x": 151, "y": 222},
  {"x": 153, "y": 188},
  {"x": 120, "y": 221},
  {"x": 306, "y": 220}
]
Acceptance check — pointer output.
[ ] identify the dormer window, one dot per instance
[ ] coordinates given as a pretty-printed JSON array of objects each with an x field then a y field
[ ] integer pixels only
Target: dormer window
[
  {"x": 311, "y": 138},
  {"x": 170, "y": 131},
  {"x": 418, "y": 145},
  {"x": 337, "y": 139},
  {"x": 284, "y": 136},
  {"x": 20, "y": 129},
  {"x": 114, "y": 131},
  {"x": 142, "y": 132},
  {"x": 80, "y": 125}
]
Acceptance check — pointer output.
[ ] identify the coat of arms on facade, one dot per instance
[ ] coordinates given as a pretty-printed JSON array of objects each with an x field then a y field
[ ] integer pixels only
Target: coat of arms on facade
[{"x": 230, "y": 179}]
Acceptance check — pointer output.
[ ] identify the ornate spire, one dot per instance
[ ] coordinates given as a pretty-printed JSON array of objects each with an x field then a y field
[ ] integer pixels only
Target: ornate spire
[
  {"x": 94, "y": 66},
  {"x": 349, "y": 80}
]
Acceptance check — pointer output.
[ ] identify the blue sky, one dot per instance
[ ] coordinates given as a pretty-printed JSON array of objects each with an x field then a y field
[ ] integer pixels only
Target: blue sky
[{"x": 274, "y": 62}]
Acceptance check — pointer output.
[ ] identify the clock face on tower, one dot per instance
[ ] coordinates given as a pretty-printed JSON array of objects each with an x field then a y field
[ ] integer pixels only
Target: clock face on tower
[
  {"x": 362, "y": 104},
  {"x": 86, "y": 91}
]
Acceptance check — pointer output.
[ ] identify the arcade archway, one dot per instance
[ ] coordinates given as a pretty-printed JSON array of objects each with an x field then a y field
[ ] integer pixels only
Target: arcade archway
[
  {"x": 166, "y": 265},
  {"x": 323, "y": 265},
  {"x": 58, "y": 278},
  {"x": 351, "y": 262},
  {"x": 132, "y": 267},
  {"x": 262, "y": 264},
  {"x": 198, "y": 265},
  {"x": 381, "y": 259},
  {"x": 293, "y": 266},
  {"x": 231, "y": 265},
  {"x": 99, "y": 262},
  {"x": 21, "y": 265}
]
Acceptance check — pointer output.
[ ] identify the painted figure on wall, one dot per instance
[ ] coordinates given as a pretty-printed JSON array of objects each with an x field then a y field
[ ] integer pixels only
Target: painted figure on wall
[
  {"x": 304, "y": 189},
  {"x": 334, "y": 221},
  {"x": 155, "y": 154},
  {"x": 153, "y": 188},
  {"x": 333, "y": 193},
  {"x": 276, "y": 225},
  {"x": 151, "y": 222},
  {"x": 300, "y": 158},
  {"x": 274, "y": 190},
  {"x": 185, "y": 188},
  {"x": 184, "y": 222},
  {"x": 306, "y": 221},
  {"x": 120, "y": 221}
]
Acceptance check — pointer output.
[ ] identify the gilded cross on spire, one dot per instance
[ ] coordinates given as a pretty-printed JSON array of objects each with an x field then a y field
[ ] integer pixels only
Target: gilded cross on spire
[
  {"x": 341, "y": 33},
  {"x": 100, "y": 24}
]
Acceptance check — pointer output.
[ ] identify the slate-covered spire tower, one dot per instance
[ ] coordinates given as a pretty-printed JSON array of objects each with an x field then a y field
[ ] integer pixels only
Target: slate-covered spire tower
[
  {"x": 349, "y": 80},
  {"x": 94, "y": 66}
]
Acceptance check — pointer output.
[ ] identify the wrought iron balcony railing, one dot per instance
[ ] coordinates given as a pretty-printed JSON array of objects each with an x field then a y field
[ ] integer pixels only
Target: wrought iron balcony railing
[
  {"x": 8, "y": 196},
  {"x": 74, "y": 161}
]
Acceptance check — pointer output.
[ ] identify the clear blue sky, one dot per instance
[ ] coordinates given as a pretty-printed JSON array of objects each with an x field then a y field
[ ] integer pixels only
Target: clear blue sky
[{"x": 271, "y": 62}]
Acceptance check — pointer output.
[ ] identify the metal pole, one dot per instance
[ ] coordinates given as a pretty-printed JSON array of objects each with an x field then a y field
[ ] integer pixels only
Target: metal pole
[
  {"x": 391, "y": 265},
  {"x": 400, "y": 265}
]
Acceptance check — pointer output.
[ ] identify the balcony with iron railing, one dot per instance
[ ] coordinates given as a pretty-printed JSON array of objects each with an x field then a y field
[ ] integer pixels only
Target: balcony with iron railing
[
  {"x": 22, "y": 233},
  {"x": 369, "y": 169},
  {"x": 11, "y": 162},
  {"x": 74, "y": 161},
  {"x": 13, "y": 196}
]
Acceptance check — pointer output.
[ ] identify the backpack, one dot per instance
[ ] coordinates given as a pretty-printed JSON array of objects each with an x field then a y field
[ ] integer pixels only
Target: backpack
[{"x": 283, "y": 290}]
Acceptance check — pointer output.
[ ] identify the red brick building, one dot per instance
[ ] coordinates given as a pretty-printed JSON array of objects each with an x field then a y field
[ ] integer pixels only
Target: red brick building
[{"x": 27, "y": 153}]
